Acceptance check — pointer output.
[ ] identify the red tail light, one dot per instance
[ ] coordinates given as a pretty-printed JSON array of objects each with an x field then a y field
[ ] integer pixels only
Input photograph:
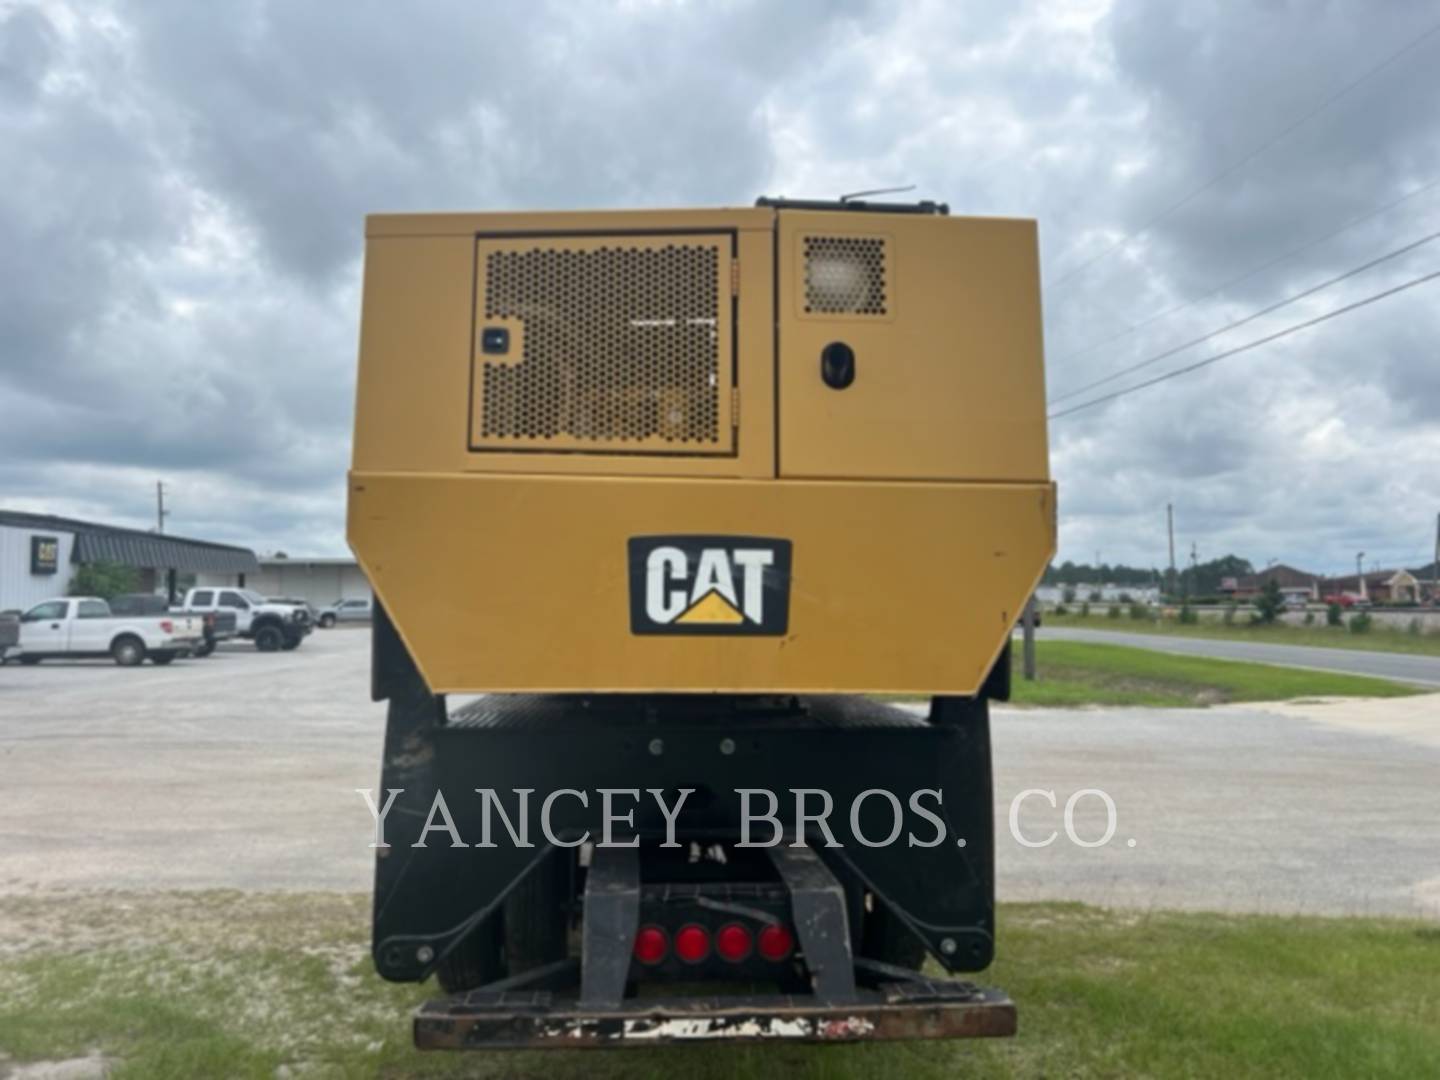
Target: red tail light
[
  {"x": 692, "y": 943},
  {"x": 733, "y": 942},
  {"x": 167, "y": 626},
  {"x": 651, "y": 944},
  {"x": 776, "y": 943}
]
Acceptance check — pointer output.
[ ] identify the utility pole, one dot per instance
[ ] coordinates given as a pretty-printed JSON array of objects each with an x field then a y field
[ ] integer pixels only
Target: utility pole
[
  {"x": 1435, "y": 566},
  {"x": 1170, "y": 524},
  {"x": 1360, "y": 573},
  {"x": 160, "y": 512}
]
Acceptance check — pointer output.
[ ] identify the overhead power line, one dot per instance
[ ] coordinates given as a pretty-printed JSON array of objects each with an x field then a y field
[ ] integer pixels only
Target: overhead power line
[
  {"x": 1235, "y": 167},
  {"x": 1248, "y": 318},
  {"x": 1230, "y": 284},
  {"x": 1251, "y": 345}
]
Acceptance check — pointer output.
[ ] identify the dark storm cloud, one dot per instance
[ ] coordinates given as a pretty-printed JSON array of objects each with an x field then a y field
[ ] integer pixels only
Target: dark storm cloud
[
  {"x": 185, "y": 184},
  {"x": 305, "y": 117},
  {"x": 27, "y": 43}
]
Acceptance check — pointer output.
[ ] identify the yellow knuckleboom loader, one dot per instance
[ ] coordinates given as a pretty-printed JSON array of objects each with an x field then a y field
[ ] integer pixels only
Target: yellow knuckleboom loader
[{"x": 675, "y": 499}]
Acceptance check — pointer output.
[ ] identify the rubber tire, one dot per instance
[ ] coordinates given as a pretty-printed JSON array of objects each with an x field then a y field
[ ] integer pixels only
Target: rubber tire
[
  {"x": 889, "y": 940},
  {"x": 30, "y": 661},
  {"x": 204, "y": 649},
  {"x": 327, "y": 621},
  {"x": 291, "y": 644},
  {"x": 476, "y": 960},
  {"x": 269, "y": 638},
  {"x": 162, "y": 658},
  {"x": 536, "y": 920},
  {"x": 128, "y": 651},
  {"x": 532, "y": 928}
]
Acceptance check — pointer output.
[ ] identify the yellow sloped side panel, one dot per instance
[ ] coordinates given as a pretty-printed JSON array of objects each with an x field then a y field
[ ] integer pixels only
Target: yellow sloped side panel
[{"x": 521, "y": 583}]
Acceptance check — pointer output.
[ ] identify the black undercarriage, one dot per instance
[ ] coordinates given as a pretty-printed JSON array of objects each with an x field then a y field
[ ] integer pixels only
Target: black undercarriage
[{"x": 547, "y": 928}]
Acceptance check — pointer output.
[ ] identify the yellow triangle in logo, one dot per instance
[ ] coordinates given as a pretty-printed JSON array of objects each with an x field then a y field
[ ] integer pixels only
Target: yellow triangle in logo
[{"x": 712, "y": 608}]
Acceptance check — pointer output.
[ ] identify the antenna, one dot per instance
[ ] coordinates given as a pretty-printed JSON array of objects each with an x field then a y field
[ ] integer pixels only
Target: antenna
[{"x": 876, "y": 191}]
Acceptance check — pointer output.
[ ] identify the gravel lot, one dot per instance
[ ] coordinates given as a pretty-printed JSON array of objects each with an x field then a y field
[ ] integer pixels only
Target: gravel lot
[
  {"x": 237, "y": 770},
  {"x": 240, "y": 771}
]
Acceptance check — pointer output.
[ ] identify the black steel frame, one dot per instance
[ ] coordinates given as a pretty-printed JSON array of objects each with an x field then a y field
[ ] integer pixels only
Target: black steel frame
[{"x": 427, "y": 900}]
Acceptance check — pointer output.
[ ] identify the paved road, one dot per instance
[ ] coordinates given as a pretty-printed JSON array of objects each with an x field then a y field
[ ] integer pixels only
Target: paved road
[
  {"x": 239, "y": 772},
  {"x": 1402, "y": 667},
  {"x": 1320, "y": 808}
]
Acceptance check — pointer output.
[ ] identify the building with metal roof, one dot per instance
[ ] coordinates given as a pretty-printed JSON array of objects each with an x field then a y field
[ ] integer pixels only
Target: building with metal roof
[
  {"x": 319, "y": 582},
  {"x": 39, "y": 554}
]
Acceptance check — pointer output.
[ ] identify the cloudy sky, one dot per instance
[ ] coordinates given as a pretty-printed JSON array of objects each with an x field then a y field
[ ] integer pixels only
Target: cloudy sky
[{"x": 182, "y": 188}]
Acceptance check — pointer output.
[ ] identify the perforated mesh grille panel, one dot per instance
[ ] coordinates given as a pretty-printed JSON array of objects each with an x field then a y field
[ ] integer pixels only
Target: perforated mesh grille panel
[
  {"x": 844, "y": 275},
  {"x": 620, "y": 346}
]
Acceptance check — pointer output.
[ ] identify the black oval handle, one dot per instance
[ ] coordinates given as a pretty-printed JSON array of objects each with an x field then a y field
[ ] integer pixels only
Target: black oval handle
[{"x": 837, "y": 365}]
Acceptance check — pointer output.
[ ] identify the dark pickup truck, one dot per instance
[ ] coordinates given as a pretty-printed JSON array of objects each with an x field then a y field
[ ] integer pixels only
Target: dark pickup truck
[
  {"x": 219, "y": 625},
  {"x": 9, "y": 632}
]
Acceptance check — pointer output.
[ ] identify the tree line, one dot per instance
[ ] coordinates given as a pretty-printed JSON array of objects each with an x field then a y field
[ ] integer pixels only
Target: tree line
[{"x": 1202, "y": 579}]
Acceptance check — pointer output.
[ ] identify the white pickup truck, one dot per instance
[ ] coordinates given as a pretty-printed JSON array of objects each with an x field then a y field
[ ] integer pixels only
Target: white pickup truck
[
  {"x": 84, "y": 626},
  {"x": 270, "y": 624}
]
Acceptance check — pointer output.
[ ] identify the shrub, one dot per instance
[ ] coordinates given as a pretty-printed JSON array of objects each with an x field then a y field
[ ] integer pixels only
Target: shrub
[
  {"x": 1068, "y": 596},
  {"x": 1061, "y": 609},
  {"x": 1270, "y": 603},
  {"x": 1126, "y": 598},
  {"x": 1334, "y": 615},
  {"x": 1309, "y": 618},
  {"x": 1113, "y": 611},
  {"x": 106, "y": 580},
  {"x": 1414, "y": 628},
  {"x": 1360, "y": 624},
  {"x": 1085, "y": 609},
  {"x": 1139, "y": 612},
  {"x": 1095, "y": 596},
  {"x": 1188, "y": 615}
]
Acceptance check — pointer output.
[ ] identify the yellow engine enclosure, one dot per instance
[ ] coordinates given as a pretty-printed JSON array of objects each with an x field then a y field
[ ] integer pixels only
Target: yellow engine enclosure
[{"x": 660, "y": 375}]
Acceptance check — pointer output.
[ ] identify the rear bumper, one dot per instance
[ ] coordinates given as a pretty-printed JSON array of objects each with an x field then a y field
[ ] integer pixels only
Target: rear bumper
[{"x": 916, "y": 1008}]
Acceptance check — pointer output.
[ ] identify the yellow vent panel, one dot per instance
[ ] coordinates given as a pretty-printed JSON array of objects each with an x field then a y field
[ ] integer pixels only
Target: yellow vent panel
[
  {"x": 619, "y": 344},
  {"x": 845, "y": 275}
]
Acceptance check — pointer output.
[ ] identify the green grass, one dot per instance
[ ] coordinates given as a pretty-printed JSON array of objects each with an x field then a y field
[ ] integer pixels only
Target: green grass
[
  {"x": 1084, "y": 673},
  {"x": 237, "y": 985},
  {"x": 1330, "y": 637}
]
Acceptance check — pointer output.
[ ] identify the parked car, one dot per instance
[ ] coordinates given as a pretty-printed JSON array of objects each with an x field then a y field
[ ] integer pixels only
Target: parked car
[
  {"x": 347, "y": 611},
  {"x": 84, "y": 626},
  {"x": 219, "y": 625},
  {"x": 9, "y": 633},
  {"x": 270, "y": 625},
  {"x": 1348, "y": 600}
]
